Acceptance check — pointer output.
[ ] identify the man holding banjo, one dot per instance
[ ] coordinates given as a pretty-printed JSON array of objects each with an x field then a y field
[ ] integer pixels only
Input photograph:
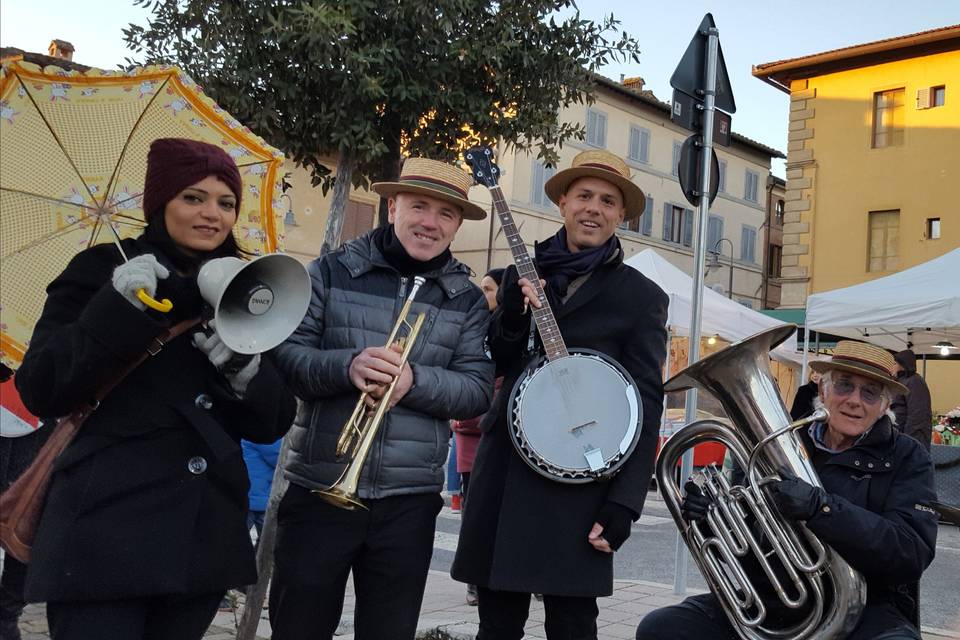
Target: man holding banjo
[{"x": 546, "y": 514}]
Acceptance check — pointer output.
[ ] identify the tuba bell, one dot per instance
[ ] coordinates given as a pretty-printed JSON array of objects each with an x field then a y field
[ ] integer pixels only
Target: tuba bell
[
  {"x": 361, "y": 428},
  {"x": 743, "y": 526}
]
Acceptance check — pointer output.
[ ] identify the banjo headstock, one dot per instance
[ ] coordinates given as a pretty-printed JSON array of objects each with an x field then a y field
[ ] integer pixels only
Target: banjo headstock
[{"x": 485, "y": 170}]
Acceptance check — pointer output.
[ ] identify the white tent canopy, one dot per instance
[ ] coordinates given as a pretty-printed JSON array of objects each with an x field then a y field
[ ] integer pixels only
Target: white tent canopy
[
  {"x": 721, "y": 316},
  {"x": 920, "y": 305}
]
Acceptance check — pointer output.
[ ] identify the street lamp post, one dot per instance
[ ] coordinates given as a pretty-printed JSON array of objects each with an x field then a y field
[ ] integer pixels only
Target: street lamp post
[{"x": 715, "y": 262}]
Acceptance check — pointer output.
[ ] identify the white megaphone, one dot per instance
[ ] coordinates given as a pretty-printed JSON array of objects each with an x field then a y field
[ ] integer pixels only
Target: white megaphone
[{"x": 256, "y": 304}]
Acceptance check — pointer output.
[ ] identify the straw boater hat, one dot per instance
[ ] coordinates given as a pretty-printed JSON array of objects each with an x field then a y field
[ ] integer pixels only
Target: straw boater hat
[
  {"x": 436, "y": 179},
  {"x": 603, "y": 165},
  {"x": 865, "y": 360}
]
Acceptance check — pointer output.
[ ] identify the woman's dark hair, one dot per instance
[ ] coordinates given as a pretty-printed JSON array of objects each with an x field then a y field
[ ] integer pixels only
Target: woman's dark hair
[{"x": 495, "y": 274}]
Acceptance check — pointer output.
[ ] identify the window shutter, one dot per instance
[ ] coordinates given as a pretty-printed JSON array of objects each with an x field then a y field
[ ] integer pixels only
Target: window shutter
[
  {"x": 646, "y": 221},
  {"x": 723, "y": 177},
  {"x": 645, "y": 146},
  {"x": 634, "y": 152},
  {"x": 924, "y": 98},
  {"x": 536, "y": 186},
  {"x": 592, "y": 127},
  {"x": 601, "y": 130},
  {"x": 667, "y": 221},
  {"x": 675, "y": 163},
  {"x": 687, "y": 227}
]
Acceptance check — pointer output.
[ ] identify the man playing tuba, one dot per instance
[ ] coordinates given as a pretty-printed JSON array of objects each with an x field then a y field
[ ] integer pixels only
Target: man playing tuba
[
  {"x": 874, "y": 508},
  {"x": 339, "y": 351}
]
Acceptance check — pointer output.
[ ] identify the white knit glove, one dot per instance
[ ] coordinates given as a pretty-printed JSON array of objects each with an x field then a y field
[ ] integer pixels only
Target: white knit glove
[
  {"x": 239, "y": 372},
  {"x": 141, "y": 272}
]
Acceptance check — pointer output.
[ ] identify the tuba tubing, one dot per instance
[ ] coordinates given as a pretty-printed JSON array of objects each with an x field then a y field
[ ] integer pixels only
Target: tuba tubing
[{"x": 827, "y": 594}]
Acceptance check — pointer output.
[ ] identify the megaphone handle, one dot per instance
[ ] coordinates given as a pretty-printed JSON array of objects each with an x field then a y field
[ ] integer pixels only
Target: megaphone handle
[{"x": 163, "y": 306}]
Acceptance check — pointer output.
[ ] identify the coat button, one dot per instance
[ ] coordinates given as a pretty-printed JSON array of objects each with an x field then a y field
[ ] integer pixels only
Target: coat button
[
  {"x": 870, "y": 465},
  {"x": 856, "y": 462},
  {"x": 826, "y": 508},
  {"x": 203, "y": 401},
  {"x": 197, "y": 465},
  {"x": 886, "y": 464}
]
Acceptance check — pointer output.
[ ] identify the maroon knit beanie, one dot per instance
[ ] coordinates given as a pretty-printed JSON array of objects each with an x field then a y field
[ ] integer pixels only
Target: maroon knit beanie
[{"x": 174, "y": 164}]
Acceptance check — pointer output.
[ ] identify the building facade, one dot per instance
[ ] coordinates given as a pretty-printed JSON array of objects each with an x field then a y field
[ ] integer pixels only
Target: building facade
[{"x": 873, "y": 160}]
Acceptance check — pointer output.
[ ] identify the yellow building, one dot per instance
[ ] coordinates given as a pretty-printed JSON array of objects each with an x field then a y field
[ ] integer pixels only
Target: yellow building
[{"x": 873, "y": 164}]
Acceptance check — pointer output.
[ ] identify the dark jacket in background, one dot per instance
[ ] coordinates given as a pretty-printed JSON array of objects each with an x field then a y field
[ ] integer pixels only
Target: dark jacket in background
[
  {"x": 151, "y": 496},
  {"x": 803, "y": 401},
  {"x": 913, "y": 410},
  {"x": 357, "y": 297},
  {"x": 524, "y": 532}
]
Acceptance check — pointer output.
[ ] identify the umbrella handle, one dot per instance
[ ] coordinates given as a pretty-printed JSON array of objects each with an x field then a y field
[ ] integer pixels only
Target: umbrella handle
[{"x": 162, "y": 306}]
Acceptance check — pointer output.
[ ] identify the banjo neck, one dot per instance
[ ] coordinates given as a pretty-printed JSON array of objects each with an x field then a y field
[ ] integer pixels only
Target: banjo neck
[{"x": 546, "y": 322}]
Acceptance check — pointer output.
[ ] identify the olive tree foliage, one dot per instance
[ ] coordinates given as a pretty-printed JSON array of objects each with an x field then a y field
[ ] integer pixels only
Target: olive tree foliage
[{"x": 369, "y": 80}]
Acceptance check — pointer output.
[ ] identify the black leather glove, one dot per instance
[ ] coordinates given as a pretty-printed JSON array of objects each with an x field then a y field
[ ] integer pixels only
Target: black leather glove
[
  {"x": 615, "y": 520},
  {"x": 510, "y": 300},
  {"x": 797, "y": 499},
  {"x": 694, "y": 507},
  {"x": 184, "y": 293}
]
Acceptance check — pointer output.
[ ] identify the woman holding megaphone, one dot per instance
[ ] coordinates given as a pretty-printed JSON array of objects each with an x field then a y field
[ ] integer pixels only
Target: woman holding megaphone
[{"x": 144, "y": 529}]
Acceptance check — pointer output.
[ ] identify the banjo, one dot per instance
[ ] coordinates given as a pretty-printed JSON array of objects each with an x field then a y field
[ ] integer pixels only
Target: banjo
[{"x": 575, "y": 414}]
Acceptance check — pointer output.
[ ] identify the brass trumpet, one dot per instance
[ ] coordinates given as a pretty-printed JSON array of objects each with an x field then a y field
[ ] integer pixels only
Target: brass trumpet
[{"x": 362, "y": 427}]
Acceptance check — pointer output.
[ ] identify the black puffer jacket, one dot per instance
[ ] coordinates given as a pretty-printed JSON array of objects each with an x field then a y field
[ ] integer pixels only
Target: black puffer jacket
[{"x": 357, "y": 296}]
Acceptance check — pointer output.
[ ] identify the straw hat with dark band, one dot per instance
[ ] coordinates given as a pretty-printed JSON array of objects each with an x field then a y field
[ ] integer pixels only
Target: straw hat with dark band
[
  {"x": 603, "y": 165},
  {"x": 865, "y": 360},
  {"x": 435, "y": 179}
]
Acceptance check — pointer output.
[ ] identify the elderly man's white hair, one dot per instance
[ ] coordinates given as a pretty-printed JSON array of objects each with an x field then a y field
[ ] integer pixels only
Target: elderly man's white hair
[{"x": 886, "y": 396}]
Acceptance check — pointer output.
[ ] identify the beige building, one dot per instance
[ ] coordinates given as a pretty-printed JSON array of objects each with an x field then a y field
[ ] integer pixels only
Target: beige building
[{"x": 632, "y": 123}]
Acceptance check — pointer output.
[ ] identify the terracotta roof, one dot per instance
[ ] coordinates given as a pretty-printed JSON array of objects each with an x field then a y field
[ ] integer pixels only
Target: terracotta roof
[
  {"x": 647, "y": 98},
  {"x": 12, "y": 53},
  {"x": 781, "y": 72}
]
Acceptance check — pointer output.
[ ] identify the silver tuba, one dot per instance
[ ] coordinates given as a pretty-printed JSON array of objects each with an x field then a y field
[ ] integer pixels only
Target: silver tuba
[{"x": 809, "y": 578}]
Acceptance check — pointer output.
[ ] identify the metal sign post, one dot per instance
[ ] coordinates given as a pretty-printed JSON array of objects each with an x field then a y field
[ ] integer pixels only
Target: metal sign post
[{"x": 708, "y": 33}]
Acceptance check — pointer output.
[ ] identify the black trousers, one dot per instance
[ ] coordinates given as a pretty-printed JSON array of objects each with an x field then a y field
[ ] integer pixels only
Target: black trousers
[
  {"x": 503, "y": 615},
  {"x": 702, "y": 618},
  {"x": 388, "y": 547},
  {"x": 153, "y": 618}
]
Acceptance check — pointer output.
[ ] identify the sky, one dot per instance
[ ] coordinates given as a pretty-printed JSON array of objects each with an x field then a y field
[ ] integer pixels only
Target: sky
[{"x": 751, "y": 32}]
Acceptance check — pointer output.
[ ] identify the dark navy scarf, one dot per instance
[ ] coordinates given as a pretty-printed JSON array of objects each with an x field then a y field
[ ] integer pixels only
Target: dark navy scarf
[{"x": 559, "y": 266}]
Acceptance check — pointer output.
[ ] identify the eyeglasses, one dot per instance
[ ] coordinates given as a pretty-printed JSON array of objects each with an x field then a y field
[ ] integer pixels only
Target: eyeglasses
[{"x": 869, "y": 393}]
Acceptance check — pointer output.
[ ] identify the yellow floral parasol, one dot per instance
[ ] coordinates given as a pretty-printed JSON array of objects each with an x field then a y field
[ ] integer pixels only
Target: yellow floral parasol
[{"x": 73, "y": 154}]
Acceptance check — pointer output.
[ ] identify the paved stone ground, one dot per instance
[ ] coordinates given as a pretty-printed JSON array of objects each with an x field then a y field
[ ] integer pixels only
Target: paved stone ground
[{"x": 446, "y": 616}]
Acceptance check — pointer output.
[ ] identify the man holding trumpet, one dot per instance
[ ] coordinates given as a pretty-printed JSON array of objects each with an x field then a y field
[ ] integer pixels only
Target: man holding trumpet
[{"x": 340, "y": 350}]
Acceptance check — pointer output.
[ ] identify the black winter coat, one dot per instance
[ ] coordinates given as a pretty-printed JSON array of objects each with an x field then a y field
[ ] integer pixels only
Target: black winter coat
[
  {"x": 913, "y": 410},
  {"x": 523, "y": 532},
  {"x": 151, "y": 496},
  {"x": 879, "y": 516}
]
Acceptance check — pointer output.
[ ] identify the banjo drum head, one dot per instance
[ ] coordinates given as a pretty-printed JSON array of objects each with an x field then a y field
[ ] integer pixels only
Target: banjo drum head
[{"x": 576, "y": 417}]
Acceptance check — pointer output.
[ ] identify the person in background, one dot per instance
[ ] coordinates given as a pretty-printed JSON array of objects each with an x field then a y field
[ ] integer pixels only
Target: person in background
[
  {"x": 16, "y": 454},
  {"x": 261, "y": 461},
  {"x": 806, "y": 394},
  {"x": 467, "y": 432},
  {"x": 143, "y": 529},
  {"x": 913, "y": 409}
]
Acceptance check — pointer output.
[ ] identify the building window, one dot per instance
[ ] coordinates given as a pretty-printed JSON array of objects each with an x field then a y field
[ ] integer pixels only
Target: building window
[
  {"x": 540, "y": 175},
  {"x": 751, "y": 186},
  {"x": 939, "y": 96},
  {"x": 677, "y": 224},
  {"x": 675, "y": 163},
  {"x": 596, "y": 128},
  {"x": 884, "y": 240},
  {"x": 723, "y": 177},
  {"x": 714, "y": 232},
  {"x": 748, "y": 244},
  {"x": 641, "y": 223},
  {"x": 639, "y": 148},
  {"x": 776, "y": 260},
  {"x": 933, "y": 228},
  {"x": 778, "y": 213},
  {"x": 888, "y": 118}
]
